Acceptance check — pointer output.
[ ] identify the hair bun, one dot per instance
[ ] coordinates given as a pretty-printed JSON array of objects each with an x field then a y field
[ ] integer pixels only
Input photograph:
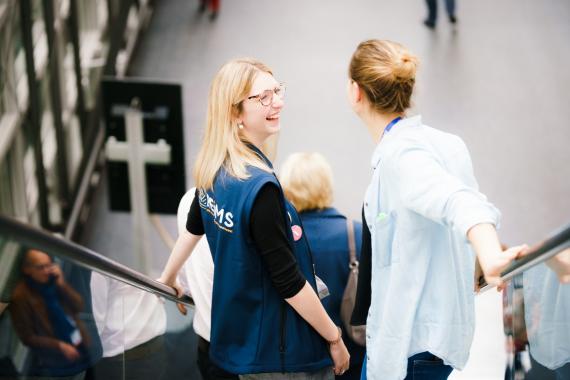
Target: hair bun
[
  {"x": 386, "y": 72},
  {"x": 404, "y": 69}
]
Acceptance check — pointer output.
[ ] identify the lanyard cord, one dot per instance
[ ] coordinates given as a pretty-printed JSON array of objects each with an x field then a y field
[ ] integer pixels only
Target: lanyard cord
[{"x": 391, "y": 124}]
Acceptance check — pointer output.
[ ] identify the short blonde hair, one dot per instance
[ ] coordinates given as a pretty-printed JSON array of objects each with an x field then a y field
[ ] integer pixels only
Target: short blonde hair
[
  {"x": 223, "y": 145},
  {"x": 386, "y": 72},
  {"x": 307, "y": 181}
]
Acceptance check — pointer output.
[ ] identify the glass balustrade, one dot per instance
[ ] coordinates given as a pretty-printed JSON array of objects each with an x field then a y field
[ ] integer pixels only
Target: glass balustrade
[
  {"x": 59, "y": 318},
  {"x": 68, "y": 312}
]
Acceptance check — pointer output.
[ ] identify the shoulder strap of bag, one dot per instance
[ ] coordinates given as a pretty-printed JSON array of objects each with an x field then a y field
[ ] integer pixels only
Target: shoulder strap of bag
[{"x": 351, "y": 243}]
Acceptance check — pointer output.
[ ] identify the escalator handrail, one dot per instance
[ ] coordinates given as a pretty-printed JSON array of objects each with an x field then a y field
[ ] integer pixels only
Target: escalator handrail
[
  {"x": 89, "y": 259},
  {"x": 539, "y": 253},
  {"x": 82, "y": 256}
]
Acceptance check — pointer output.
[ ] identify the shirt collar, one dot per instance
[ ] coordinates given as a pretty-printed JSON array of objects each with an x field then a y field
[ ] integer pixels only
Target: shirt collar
[{"x": 403, "y": 124}]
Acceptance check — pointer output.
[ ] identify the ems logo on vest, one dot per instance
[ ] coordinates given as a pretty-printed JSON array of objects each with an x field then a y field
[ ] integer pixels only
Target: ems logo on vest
[{"x": 222, "y": 218}]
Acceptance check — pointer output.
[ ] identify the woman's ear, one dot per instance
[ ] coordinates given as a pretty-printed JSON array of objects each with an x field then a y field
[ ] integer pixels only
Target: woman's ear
[
  {"x": 236, "y": 116},
  {"x": 239, "y": 122},
  {"x": 354, "y": 93}
]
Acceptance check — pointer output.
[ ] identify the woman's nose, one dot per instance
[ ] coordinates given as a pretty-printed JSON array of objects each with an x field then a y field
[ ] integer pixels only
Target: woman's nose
[{"x": 277, "y": 102}]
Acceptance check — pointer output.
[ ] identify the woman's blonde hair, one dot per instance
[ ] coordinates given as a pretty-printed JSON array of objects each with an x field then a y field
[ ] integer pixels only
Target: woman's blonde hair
[
  {"x": 307, "y": 181},
  {"x": 222, "y": 145},
  {"x": 386, "y": 72}
]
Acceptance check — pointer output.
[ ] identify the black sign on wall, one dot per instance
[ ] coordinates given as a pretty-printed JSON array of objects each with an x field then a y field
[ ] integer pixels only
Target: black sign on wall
[{"x": 161, "y": 104}]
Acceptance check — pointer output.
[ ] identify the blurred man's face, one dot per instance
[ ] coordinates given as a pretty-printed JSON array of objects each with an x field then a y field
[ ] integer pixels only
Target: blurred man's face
[{"x": 38, "y": 266}]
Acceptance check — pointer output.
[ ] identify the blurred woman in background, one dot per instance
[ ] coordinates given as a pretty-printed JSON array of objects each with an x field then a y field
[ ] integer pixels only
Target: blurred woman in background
[{"x": 308, "y": 183}]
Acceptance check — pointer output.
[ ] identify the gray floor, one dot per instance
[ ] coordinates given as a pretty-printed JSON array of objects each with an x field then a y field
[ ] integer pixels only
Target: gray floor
[{"x": 500, "y": 80}]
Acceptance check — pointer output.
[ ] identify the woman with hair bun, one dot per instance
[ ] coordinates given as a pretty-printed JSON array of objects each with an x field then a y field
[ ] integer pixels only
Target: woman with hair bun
[{"x": 427, "y": 223}]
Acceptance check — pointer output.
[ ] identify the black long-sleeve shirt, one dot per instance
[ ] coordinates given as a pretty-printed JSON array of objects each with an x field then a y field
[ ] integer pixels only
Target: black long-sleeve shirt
[
  {"x": 364, "y": 285},
  {"x": 268, "y": 231}
]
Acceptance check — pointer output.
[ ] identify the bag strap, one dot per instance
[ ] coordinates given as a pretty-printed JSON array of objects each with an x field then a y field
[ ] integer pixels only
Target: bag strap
[{"x": 351, "y": 243}]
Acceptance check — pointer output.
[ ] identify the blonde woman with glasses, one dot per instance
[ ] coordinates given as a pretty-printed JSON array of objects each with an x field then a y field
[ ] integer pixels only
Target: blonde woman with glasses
[{"x": 267, "y": 320}]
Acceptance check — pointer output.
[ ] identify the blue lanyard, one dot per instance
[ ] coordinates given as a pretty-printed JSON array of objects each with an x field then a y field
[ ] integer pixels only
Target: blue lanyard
[{"x": 391, "y": 124}]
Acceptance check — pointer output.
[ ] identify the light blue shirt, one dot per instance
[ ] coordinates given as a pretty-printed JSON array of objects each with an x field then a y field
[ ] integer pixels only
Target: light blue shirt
[{"x": 422, "y": 200}]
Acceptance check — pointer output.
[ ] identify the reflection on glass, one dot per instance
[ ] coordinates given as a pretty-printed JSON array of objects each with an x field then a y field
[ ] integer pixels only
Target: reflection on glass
[
  {"x": 45, "y": 315},
  {"x": 560, "y": 264},
  {"x": 537, "y": 324},
  {"x": 515, "y": 331},
  {"x": 61, "y": 321},
  {"x": 547, "y": 318},
  {"x": 131, "y": 325}
]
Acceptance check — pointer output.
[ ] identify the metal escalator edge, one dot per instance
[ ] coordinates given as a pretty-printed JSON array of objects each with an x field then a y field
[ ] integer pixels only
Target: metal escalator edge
[{"x": 82, "y": 256}]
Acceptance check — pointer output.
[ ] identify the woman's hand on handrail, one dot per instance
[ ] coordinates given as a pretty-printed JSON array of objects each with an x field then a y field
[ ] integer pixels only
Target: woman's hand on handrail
[
  {"x": 182, "y": 249},
  {"x": 490, "y": 254},
  {"x": 179, "y": 293}
]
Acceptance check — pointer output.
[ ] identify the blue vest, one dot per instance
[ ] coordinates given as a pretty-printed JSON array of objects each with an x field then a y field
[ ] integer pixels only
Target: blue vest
[
  {"x": 253, "y": 329},
  {"x": 327, "y": 235}
]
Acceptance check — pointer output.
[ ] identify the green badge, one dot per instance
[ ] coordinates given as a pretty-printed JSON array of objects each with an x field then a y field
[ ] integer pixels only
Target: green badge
[{"x": 381, "y": 216}]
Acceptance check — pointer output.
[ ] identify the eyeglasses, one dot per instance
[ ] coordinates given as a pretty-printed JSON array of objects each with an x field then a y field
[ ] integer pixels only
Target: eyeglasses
[
  {"x": 42, "y": 267},
  {"x": 266, "y": 97}
]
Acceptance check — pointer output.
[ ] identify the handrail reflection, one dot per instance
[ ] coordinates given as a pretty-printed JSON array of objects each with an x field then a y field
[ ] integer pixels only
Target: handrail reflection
[
  {"x": 539, "y": 253},
  {"x": 85, "y": 257}
]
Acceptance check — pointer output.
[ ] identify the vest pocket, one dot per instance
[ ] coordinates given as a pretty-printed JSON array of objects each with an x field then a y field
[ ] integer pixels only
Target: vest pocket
[{"x": 383, "y": 240}]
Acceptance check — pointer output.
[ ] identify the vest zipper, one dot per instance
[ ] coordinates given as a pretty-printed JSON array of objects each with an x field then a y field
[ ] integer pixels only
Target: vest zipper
[{"x": 282, "y": 339}]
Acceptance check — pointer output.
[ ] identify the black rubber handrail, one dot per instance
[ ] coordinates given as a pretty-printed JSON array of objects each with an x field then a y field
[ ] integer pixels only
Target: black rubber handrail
[
  {"x": 539, "y": 253},
  {"x": 44, "y": 241}
]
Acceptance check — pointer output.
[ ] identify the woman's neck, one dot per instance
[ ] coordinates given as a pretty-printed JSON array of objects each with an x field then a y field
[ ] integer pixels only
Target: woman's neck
[
  {"x": 377, "y": 123},
  {"x": 255, "y": 140},
  {"x": 257, "y": 143}
]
